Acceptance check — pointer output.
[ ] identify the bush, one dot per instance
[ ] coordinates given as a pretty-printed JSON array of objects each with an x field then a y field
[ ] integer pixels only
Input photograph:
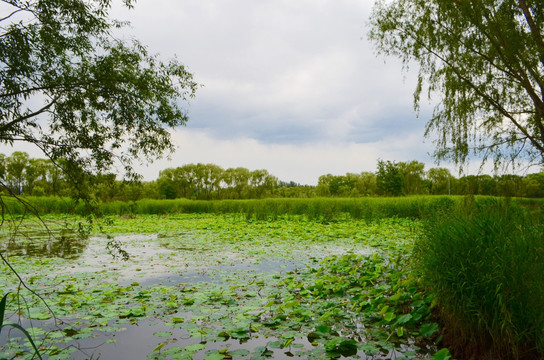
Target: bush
[{"x": 484, "y": 261}]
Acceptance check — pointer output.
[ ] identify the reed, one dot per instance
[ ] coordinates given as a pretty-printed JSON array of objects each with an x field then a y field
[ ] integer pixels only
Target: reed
[
  {"x": 483, "y": 260},
  {"x": 320, "y": 209}
]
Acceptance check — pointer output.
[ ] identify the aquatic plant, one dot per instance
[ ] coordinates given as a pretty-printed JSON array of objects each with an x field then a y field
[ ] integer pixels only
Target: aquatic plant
[
  {"x": 484, "y": 262},
  {"x": 15, "y": 326}
]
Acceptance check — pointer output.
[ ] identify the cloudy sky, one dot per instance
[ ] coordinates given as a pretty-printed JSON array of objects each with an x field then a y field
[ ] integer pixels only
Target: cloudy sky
[{"x": 291, "y": 86}]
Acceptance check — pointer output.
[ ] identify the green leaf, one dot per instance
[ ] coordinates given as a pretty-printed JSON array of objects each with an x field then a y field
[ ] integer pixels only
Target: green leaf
[
  {"x": 195, "y": 347},
  {"x": 162, "y": 333},
  {"x": 428, "y": 330},
  {"x": 403, "y": 319},
  {"x": 389, "y": 316},
  {"x": 41, "y": 316},
  {"x": 443, "y": 354},
  {"x": 160, "y": 346},
  {"x": 238, "y": 352},
  {"x": 214, "y": 356}
]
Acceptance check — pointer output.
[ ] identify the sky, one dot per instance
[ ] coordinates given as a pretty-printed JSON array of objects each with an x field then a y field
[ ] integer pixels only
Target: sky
[{"x": 290, "y": 86}]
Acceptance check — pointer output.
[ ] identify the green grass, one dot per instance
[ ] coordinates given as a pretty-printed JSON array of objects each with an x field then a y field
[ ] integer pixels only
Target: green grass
[
  {"x": 484, "y": 261},
  {"x": 322, "y": 209}
]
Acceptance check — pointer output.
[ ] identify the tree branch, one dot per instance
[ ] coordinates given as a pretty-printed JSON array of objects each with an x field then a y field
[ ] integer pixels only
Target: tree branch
[
  {"x": 481, "y": 93},
  {"x": 535, "y": 31},
  {"x": 5, "y": 127}
]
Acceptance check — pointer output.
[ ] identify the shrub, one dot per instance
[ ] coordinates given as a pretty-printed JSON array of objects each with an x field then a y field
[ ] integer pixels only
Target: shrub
[{"x": 484, "y": 261}]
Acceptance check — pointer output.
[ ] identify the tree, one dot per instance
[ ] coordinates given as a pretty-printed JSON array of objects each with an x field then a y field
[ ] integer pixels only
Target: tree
[
  {"x": 413, "y": 173},
  {"x": 389, "y": 178},
  {"x": 440, "y": 181},
  {"x": 35, "y": 175},
  {"x": 262, "y": 183},
  {"x": 534, "y": 185},
  {"x": 485, "y": 61},
  {"x": 366, "y": 184},
  {"x": 70, "y": 87},
  {"x": 16, "y": 167}
]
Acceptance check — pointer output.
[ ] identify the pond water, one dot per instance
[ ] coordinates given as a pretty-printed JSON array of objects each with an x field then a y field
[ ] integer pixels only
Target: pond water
[{"x": 191, "y": 294}]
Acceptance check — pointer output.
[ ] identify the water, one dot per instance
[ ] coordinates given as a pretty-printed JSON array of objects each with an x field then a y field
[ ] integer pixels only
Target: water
[{"x": 153, "y": 265}]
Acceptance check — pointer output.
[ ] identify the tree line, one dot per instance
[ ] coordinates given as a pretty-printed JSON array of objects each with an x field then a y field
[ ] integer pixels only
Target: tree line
[{"x": 23, "y": 175}]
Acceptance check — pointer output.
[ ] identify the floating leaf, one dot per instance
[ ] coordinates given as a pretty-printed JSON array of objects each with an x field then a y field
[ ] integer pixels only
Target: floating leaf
[
  {"x": 403, "y": 319},
  {"x": 389, "y": 316},
  {"x": 214, "y": 356},
  {"x": 195, "y": 347},
  {"x": 162, "y": 334},
  {"x": 428, "y": 330},
  {"x": 443, "y": 354}
]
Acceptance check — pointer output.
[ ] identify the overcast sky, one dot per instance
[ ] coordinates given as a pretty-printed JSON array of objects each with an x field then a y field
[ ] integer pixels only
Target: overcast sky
[{"x": 290, "y": 86}]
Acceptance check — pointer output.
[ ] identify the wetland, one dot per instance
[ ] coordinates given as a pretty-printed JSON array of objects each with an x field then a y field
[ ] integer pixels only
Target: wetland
[{"x": 205, "y": 286}]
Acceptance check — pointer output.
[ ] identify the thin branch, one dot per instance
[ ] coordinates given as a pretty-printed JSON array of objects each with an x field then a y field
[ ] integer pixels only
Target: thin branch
[
  {"x": 13, "y": 13},
  {"x": 5, "y": 128},
  {"x": 481, "y": 93}
]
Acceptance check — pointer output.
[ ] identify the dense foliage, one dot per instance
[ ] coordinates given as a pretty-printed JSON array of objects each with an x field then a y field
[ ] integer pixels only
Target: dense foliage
[
  {"x": 484, "y": 62},
  {"x": 72, "y": 88},
  {"x": 39, "y": 177}
]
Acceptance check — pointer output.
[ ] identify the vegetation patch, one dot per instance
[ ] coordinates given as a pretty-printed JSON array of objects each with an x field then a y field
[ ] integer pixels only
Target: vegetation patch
[
  {"x": 484, "y": 263},
  {"x": 230, "y": 288}
]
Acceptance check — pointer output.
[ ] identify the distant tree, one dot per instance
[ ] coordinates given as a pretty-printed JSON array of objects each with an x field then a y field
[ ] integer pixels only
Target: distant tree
[
  {"x": 16, "y": 165},
  {"x": 534, "y": 185},
  {"x": 413, "y": 174},
  {"x": 323, "y": 184},
  {"x": 207, "y": 178},
  {"x": 510, "y": 185},
  {"x": 239, "y": 181},
  {"x": 70, "y": 87},
  {"x": 168, "y": 191},
  {"x": 485, "y": 61},
  {"x": 441, "y": 181},
  {"x": 366, "y": 184},
  {"x": 487, "y": 185},
  {"x": 288, "y": 184},
  {"x": 262, "y": 183},
  {"x": 105, "y": 187},
  {"x": 336, "y": 185},
  {"x": 35, "y": 176},
  {"x": 389, "y": 178}
]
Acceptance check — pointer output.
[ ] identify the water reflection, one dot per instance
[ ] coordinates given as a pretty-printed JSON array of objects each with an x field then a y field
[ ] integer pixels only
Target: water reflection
[{"x": 45, "y": 245}]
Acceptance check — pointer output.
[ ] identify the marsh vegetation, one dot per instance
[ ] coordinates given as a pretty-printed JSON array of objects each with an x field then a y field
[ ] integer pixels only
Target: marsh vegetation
[{"x": 276, "y": 283}]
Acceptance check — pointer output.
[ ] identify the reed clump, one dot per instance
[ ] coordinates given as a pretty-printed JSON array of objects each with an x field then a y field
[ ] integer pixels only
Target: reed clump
[{"x": 484, "y": 261}]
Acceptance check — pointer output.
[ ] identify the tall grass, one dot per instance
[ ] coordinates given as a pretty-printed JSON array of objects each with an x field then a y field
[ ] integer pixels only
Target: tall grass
[
  {"x": 322, "y": 209},
  {"x": 484, "y": 261}
]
